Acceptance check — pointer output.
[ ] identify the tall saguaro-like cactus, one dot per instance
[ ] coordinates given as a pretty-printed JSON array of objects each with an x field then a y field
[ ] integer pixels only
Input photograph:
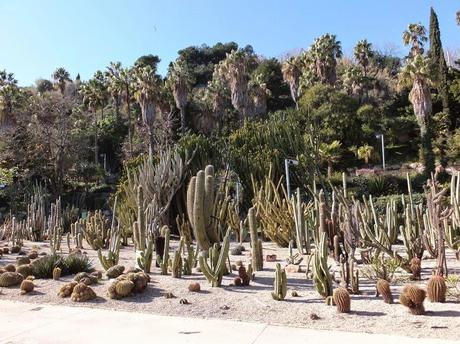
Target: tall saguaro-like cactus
[
  {"x": 206, "y": 207},
  {"x": 256, "y": 243},
  {"x": 142, "y": 238}
]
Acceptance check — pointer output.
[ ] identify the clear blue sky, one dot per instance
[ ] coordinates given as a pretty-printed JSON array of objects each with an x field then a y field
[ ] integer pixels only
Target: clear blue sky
[{"x": 37, "y": 36}]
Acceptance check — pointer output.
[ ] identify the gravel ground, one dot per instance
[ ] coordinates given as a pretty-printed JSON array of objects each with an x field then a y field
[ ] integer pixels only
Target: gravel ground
[{"x": 254, "y": 303}]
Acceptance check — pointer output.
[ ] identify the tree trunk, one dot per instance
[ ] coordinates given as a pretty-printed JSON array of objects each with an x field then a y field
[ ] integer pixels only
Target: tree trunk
[
  {"x": 329, "y": 169},
  {"x": 182, "y": 119},
  {"x": 96, "y": 148}
]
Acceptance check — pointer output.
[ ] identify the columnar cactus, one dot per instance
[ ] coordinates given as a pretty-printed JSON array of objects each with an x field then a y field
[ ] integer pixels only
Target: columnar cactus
[
  {"x": 256, "y": 244},
  {"x": 218, "y": 254},
  {"x": 321, "y": 275},
  {"x": 114, "y": 244},
  {"x": 301, "y": 230},
  {"x": 206, "y": 207},
  {"x": 176, "y": 261},
  {"x": 141, "y": 235},
  {"x": 280, "y": 284},
  {"x": 164, "y": 261}
]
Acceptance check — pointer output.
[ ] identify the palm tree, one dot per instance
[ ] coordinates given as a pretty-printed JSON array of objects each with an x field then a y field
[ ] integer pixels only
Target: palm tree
[
  {"x": 415, "y": 35},
  {"x": 416, "y": 74},
  {"x": 121, "y": 84},
  {"x": 180, "y": 80},
  {"x": 234, "y": 69},
  {"x": 95, "y": 96},
  {"x": 458, "y": 17},
  {"x": 147, "y": 91},
  {"x": 363, "y": 54},
  {"x": 60, "y": 77},
  {"x": 291, "y": 74},
  {"x": 330, "y": 153},
  {"x": 323, "y": 54},
  {"x": 365, "y": 153}
]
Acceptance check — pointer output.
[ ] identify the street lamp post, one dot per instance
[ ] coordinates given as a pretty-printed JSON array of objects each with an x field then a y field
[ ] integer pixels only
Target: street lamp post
[
  {"x": 288, "y": 162},
  {"x": 380, "y": 136}
]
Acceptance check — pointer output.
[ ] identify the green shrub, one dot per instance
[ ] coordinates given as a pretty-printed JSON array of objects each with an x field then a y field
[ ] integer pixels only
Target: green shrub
[
  {"x": 381, "y": 202},
  {"x": 72, "y": 264}
]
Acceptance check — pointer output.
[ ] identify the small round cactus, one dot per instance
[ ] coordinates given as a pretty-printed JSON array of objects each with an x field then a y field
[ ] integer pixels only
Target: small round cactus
[
  {"x": 33, "y": 254},
  {"x": 27, "y": 286},
  {"x": 81, "y": 293},
  {"x": 124, "y": 287},
  {"x": 415, "y": 265},
  {"x": 15, "y": 249},
  {"x": 342, "y": 300},
  {"x": 57, "y": 273},
  {"x": 22, "y": 261},
  {"x": 194, "y": 287},
  {"x": 237, "y": 281},
  {"x": 412, "y": 297},
  {"x": 10, "y": 268},
  {"x": 115, "y": 271},
  {"x": 9, "y": 279},
  {"x": 25, "y": 270},
  {"x": 383, "y": 288},
  {"x": 436, "y": 289},
  {"x": 67, "y": 289}
]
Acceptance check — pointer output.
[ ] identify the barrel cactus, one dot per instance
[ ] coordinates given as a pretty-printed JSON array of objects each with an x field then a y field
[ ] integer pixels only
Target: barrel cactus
[
  {"x": 9, "y": 279},
  {"x": 342, "y": 300},
  {"x": 383, "y": 288},
  {"x": 436, "y": 289},
  {"x": 115, "y": 271},
  {"x": 81, "y": 293},
  {"x": 27, "y": 286},
  {"x": 25, "y": 270},
  {"x": 412, "y": 297}
]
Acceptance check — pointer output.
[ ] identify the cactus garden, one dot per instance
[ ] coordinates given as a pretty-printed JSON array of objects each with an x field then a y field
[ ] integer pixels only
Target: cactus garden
[{"x": 236, "y": 186}]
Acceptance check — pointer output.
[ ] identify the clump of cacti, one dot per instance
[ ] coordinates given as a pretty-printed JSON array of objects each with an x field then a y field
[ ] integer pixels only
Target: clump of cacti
[
  {"x": 280, "y": 284},
  {"x": 86, "y": 278},
  {"x": 383, "y": 288},
  {"x": 436, "y": 289},
  {"x": 115, "y": 271},
  {"x": 342, "y": 300},
  {"x": 82, "y": 293},
  {"x": 163, "y": 261},
  {"x": 95, "y": 229},
  {"x": 256, "y": 243},
  {"x": 9, "y": 279},
  {"x": 10, "y": 268},
  {"x": 206, "y": 207},
  {"x": 217, "y": 256},
  {"x": 412, "y": 297},
  {"x": 57, "y": 273},
  {"x": 27, "y": 286},
  {"x": 127, "y": 284},
  {"x": 67, "y": 289}
]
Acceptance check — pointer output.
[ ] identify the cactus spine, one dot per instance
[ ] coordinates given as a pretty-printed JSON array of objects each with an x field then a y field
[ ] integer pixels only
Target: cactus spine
[
  {"x": 280, "y": 284},
  {"x": 256, "y": 244},
  {"x": 214, "y": 270},
  {"x": 143, "y": 241}
]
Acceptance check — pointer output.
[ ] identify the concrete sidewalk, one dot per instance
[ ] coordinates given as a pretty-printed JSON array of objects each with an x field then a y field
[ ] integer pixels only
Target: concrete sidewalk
[{"x": 35, "y": 323}]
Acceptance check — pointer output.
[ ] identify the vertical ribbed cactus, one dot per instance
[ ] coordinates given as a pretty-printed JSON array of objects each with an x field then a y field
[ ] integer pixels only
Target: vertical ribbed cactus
[
  {"x": 205, "y": 207},
  {"x": 280, "y": 284},
  {"x": 320, "y": 269},
  {"x": 142, "y": 238},
  {"x": 217, "y": 256},
  {"x": 256, "y": 244},
  {"x": 301, "y": 230},
  {"x": 176, "y": 261},
  {"x": 164, "y": 261},
  {"x": 190, "y": 261},
  {"x": 114, "y": 243}
]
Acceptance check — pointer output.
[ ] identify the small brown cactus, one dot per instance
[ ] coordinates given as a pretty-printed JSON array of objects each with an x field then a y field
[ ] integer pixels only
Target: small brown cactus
[
  {"x": 81, "y": 293},
  {"x": 22, "y": 261},
  {"x": 412, "y": 297},
  {"x": 342, "y": 300},
  {"x": 57, "y": 273},
  {"x": 416, "y": 267},
  {"x": 67, "y": 289},
  {"x": 194, "y": 287},
  {"x": 383, "y": 288},
  {"x": 436, "y": 289},
  {"x": 27, "y": 286}
]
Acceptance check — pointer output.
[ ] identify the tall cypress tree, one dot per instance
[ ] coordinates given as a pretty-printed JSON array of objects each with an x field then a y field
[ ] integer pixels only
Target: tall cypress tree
[{"x": 439, "y": 65}]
